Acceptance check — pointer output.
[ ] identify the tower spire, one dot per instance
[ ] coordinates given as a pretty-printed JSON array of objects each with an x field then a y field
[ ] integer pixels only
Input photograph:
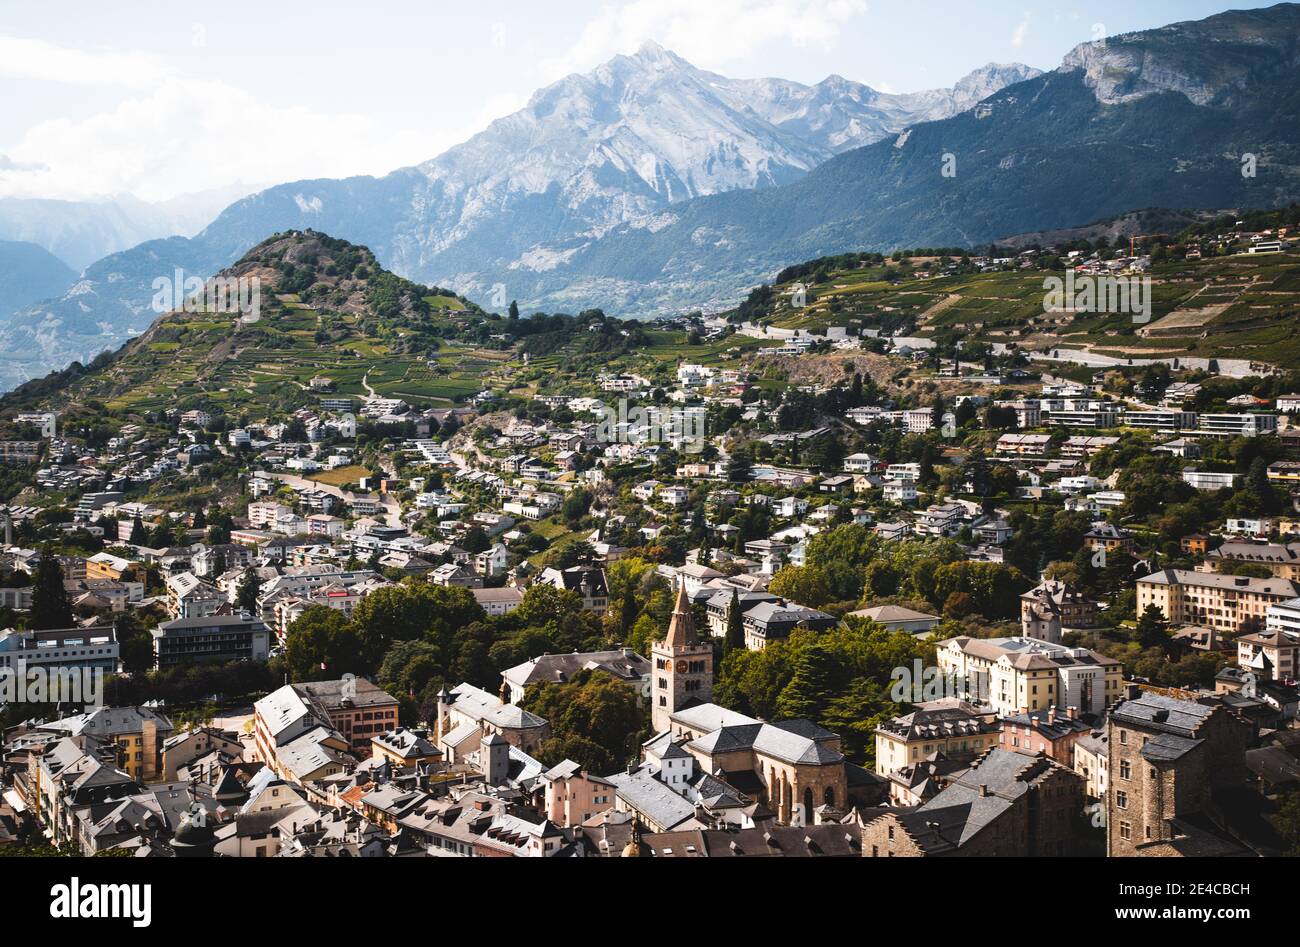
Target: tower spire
[{"x": 681, "y": 631}]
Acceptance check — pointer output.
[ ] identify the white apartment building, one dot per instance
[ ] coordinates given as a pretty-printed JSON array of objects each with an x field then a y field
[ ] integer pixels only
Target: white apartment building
[{"x": 1210, "y": 480}]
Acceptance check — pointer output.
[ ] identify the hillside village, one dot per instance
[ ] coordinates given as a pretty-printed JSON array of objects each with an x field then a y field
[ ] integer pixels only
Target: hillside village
[{"x": 656, "y": 592}]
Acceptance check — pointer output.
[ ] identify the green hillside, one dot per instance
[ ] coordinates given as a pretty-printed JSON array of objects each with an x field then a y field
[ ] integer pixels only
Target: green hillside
[
  {"x": 327, "y": 309},
  {"x": 1234, "y": 305}
]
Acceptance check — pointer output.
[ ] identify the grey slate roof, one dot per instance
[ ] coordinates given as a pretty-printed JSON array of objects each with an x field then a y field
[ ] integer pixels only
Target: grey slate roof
[
  {"x": 1157, "y": 712},
  {"x": 1168, "y": 747},
  {"x": 647, "y": 795}
]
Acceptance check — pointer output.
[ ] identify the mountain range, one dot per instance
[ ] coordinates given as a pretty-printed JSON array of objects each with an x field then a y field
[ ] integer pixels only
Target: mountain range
[
  {"x": 637, "y": 136},
  {"x": 650, "y": 186}
]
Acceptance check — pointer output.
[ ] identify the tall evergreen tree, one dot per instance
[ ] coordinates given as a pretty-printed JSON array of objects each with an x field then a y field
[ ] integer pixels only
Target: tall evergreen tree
[
  {"x": 250, "y": 586},
  {"x": 139, "y": 535},
  {"x": 627, "y": 616},
  {"x": 812, "y": 687},
  {"x": 1152, "y": 629},
  {"x": 735, "y": 626},
  {"x": 51, "y": 607}
]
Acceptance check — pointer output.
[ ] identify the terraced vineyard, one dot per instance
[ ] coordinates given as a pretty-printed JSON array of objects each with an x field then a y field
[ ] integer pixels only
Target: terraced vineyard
[
  {"x": 338, "y": 332},
  {"x": 1242, "y": 306}
]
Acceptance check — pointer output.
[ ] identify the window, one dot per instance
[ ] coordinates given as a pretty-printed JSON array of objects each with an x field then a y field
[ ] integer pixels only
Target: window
[
  {"x": 1125, "y": 770},
  {"x": 1126, "y": 831},
  {"x": 1121, "y": 799}
]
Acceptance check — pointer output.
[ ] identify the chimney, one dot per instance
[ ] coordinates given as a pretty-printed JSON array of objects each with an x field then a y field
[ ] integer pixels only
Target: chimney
[
  {"x": 1051, "y": 716},
  {"x": 1072, "y": 713},
  {"x": 984, "y": 790}
]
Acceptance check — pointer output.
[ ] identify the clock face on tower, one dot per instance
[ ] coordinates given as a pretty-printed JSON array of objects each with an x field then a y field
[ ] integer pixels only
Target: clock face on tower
[{"x": 681, "y": 667}]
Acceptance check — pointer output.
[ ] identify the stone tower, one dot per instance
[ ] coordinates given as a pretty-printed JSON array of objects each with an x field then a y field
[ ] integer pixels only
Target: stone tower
[{"x": 683, "y": 667}]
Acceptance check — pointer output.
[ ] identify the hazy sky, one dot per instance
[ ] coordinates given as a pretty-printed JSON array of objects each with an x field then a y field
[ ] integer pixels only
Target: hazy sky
[{"x": 159, "y": 99}]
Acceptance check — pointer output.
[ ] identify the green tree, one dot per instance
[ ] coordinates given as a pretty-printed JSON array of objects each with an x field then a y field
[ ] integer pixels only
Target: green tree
[
  {"x": 735, "y": 625},
  {"x": 322, "y": 645},
  {"x": 627, "y": 613},
  {"x": 806, "y": 585},
  {"x": 50, "y": 605},
  {"x": 250, "y": 587},
  {"x": 739, "y": 466},
  {"x": 413, "y": 611},
  {"x": 818, "y": 677},
  {"x": 134, "y": 642},
  {"x": 1152, "y": 629},
  {"x": 595, "y": 707}
]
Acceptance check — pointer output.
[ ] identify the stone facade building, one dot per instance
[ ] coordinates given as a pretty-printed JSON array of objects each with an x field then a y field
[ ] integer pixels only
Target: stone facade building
[
  {"x": 1008, "y": 804},
  {"x": 1169, "y": 760},
  {"x": 1054, "y": 608}
]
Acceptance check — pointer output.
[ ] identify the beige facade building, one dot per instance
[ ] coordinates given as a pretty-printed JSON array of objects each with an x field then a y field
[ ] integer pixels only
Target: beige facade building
[
  {"x": 138, "y": 732},
  {"x": 1282, "y": 560},
  {"x": 574, "y": 796},
  {"x": 1052, "y": 609},
  {"x": 1013, "y": 675},
  {"x": 1226, "y": 603},
  {"x": 1007, "y": 805},
  {"x": 1270, "y": 655},
  {"x": 953, "y": 727}
]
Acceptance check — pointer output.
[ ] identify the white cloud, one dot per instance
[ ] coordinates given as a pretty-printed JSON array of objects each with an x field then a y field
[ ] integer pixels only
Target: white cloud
[
  {"x": 35, "y": 59},
  {"x": 1021, "y": 32},
  {"x": 709, "y": 33},
  {"x": 190, "y": 135}
]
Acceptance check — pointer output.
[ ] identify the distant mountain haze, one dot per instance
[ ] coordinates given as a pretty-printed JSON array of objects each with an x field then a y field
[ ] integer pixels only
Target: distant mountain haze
[
  {"x": 81, "y": 232},
  {"x": 28, "y": 274}
]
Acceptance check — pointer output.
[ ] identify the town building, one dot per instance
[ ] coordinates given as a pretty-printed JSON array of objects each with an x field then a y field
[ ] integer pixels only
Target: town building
[
  {"x": 1173, "y": 764},
  {"x": 1007, "y": 805},
  {"x": 683, "y": 667},
  {"x": 953, "y": 727},
  {"x": 219, "y": 639},
  {"x": 1228, "y": 603},
  {"x": 1053, "y": 609},
  {"x": 1012, "y": 675}
]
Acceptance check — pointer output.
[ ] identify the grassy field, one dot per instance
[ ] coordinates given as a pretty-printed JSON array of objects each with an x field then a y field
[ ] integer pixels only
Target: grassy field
[{"x": 340, "y": 476}]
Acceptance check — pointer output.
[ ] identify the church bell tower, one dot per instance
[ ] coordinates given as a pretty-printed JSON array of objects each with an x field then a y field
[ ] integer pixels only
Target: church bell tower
[{"x": 683, "y": 667}]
